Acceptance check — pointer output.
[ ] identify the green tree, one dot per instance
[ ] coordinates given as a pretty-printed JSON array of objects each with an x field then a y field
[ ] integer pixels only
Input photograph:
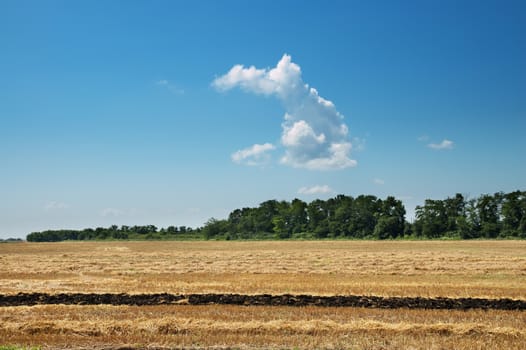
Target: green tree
[
  {"x": 340, "y": 221},
  {"x": 455, "y": 211},
  {"x": 391, "y": 219},
  {"x": 298, "y": 216},
  {"x": 214, "y": 227},
  {"x": 431, "y": 219},
  {"x": 317, "y": 215},
  {"x": 264, "y": 214},
  {"x": 280, "y": 227},
  {"x": 385, "y": 227},
  {"x": 488, "y": 210},
  {"x": 513, "y": 212},
  {"x": 364, "y": 216}
]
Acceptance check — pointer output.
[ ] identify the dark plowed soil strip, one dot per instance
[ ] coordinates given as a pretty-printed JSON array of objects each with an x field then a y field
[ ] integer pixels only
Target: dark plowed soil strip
[{"x": 262, "y": 299}]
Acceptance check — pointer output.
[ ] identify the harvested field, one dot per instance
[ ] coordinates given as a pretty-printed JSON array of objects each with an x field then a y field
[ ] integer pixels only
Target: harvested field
[
  {"x": 481, "y": 269},
  {"x": 265, "y": 327},
  {"x": 491, "y": 271}
]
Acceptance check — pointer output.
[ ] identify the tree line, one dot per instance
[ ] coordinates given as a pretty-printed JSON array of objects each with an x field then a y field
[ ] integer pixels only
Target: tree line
[
  {"x": 10, "y": 240},
  {"x": 500, "y": 215},
  {"x": 114, "y": 232},
  {"x": 365, "y": 216}
]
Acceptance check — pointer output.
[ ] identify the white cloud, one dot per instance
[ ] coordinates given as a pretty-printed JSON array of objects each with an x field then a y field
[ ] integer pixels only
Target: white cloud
[
  {"x": 337, "y": 158},
  {"x": 445, "y": 144},
  {"x": 254, "y": 155},
  {"x": 279, "y": 80},
  {"x": 170, "y": 86},
  {"x": 300, "y": 134},
  {"x": 313, "y": 132},
  {"x": 316, "y": 190},
  {"x": 378, "y": 181}
]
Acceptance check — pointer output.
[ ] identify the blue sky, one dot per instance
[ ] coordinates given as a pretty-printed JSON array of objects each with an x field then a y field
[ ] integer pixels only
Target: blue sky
[{"x": 172, "y": 112}]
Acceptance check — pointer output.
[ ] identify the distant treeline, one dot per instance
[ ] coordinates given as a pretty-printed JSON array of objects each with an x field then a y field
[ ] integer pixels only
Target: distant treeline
[
  {"x": 501, "y": 215},
  {"x": 10, "y": 240},
  {"x": 114, "y": 232}
]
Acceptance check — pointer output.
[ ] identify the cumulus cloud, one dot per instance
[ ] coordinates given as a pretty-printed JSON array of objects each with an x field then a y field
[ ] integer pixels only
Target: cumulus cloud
[
  {"x": 315, "y": 190},
  {"x": 445, "y": 144},
  {"x": 314, "y": 134},
  {"x": 254, "y": 155},
  {"x": 300, "y": 133}
]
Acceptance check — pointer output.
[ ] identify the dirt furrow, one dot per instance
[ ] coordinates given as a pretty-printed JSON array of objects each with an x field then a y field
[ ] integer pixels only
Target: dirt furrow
[{"x": 28, "y": 299}]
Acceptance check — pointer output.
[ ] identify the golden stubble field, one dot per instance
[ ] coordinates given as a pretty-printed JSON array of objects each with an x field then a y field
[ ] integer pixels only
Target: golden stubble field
[{"x": 488, "y": 269}]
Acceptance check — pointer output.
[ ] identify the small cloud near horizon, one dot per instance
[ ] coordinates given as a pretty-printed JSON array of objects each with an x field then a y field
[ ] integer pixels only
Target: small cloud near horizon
[
  {"x": 444, "y": 145},
  {"x": 317, "y": 189},
  {"x": 377, "y": 181}
]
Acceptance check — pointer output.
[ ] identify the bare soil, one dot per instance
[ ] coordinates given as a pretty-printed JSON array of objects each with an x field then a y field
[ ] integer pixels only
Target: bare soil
[{"x": 29, "y": 299}]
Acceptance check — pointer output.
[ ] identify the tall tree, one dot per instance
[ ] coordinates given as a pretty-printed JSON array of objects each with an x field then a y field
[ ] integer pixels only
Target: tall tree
[
  {"x": 364, "y": 216},
  {"x": 455, "y": 211},
  {"x": 431, "y": 219},
  {"x": 513, "y": 212},
  {"x": 317, "y": 216},
  {"x": 298, "y": 216},
  {"x": 488, "y": 209},
  {"x": 391, "y": 219}
]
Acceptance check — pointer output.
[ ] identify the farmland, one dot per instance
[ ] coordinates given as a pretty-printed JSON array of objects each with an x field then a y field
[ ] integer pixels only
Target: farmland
[{"x": 429, "y": 269}]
